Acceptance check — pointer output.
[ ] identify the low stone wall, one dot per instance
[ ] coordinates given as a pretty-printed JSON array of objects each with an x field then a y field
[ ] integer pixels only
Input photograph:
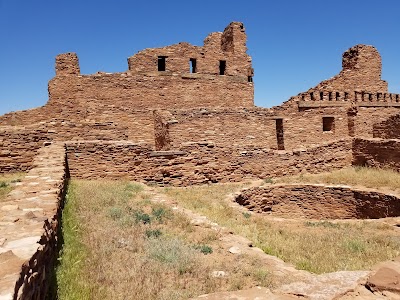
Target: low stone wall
[
  {"x": 198, "y": 163},
  {"x": 377, "y": 153},
  {"x": 29, "y": 223},
  {"x": 319, "y": 202}
]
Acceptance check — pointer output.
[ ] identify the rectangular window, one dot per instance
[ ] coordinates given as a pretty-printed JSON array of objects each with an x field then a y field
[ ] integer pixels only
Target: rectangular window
[
  {"x": 193, "y": 67},
  {"x": 328, "y": 123},
  {"x": 279, "y": 134},
  {"x": 222, "y": 67},
  {"x": 161, "y": 63}
]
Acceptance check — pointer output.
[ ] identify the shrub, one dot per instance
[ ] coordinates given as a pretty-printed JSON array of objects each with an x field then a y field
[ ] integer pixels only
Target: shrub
[
  {"x": 153, "y": 233},
  {"x": 3, "y": 184},
  {"x": 115, "y": 213},
  {"x": 205, "y": 249}
]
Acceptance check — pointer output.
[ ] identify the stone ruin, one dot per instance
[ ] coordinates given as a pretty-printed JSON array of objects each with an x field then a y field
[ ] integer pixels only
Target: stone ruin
[{"x": 180, "y": 115}]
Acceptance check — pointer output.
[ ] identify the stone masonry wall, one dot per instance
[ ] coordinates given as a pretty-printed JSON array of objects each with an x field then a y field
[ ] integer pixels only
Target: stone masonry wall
[
  {"x": 377, "y": 153},
  {"x": 144, "y": 86},
  {"x": 388, "y": 129},
  {"x": 198, "y": 163},
  {"x": 29, "y": 227},
  {"x": 256, "y": 127},
  {"x": 319, "y": 202}
]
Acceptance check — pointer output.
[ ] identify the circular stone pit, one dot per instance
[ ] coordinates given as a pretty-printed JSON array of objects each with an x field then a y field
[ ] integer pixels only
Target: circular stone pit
[{"x": 319, "y": 202}]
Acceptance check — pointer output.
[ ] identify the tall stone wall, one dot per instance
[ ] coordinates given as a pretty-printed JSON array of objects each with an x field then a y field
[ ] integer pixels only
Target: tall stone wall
[{"x": 145, "y": 86}]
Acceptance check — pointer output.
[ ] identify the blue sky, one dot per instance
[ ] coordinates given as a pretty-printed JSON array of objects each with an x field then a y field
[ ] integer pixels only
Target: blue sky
[{"x": 294, "y": 44}]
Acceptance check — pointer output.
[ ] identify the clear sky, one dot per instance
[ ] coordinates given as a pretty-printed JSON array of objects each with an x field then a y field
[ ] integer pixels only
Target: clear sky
[{"x": 294, "y": 43}]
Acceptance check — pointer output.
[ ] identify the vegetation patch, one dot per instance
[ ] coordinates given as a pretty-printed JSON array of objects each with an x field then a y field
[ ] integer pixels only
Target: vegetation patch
[
  {"x": 319, "y": 247},
  {"x": 7, "y": 183},
  {"x": 121, "y": 245}
]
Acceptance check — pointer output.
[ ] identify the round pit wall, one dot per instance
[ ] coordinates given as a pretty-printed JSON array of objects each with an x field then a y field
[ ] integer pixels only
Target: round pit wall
[{"x": 319, "y": 202}]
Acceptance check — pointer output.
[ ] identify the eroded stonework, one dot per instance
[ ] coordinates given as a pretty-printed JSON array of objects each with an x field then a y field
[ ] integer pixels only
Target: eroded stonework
[{"x": 181, "y": 115}]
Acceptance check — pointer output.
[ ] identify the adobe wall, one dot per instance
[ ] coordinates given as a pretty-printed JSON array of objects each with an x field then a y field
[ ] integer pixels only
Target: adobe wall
[
  {"x": 198, "y": 163},
  {"x": 143, "y": 86},
  {"x": 319, "y": 202},
  {"x": 378, "y": 153}
]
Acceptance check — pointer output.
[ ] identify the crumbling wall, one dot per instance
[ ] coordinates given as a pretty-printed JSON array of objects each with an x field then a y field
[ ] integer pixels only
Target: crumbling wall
[
  {"x": 361, "y": 71},
  {"x": 198, "y": 163},
  {"x": 377, "y": 153},
  {"x": 145, "y": 86},
  {"x": 30, "y": 218},
  {"x": 319, "y": 202},
  {"x": 387, "y": 129}
]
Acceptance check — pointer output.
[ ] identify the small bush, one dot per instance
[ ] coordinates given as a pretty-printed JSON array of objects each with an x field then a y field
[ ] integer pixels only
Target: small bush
[
  {"x": 173, "y": 252},
  {"x": 115, "y": 213},
  {"x": 268, "y": 180},
  {"x": 141, "y": 217},
  {"x": 246, "y": 215},
  {"x": 153, "y": 233},
  {"x": 3, "y": 184},
  {"x": 205, "y": 249},
  {"x": 159, "y": 213}
]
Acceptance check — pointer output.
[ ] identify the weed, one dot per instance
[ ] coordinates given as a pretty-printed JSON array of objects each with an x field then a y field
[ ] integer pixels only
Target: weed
[
  {"x": 141, "y": 217},
  {"x": 355, "y": 246},
  {"x": 159, "y": 213},
  {"x": 153, "y": 233},
  {"x": 268, "y": 180},
  {"x": 247, "y": 215},
  {"x": 205, "y": 249},
  {"x": 115, "y": 213},
  {"x": 325, "y": 224},
  {"x": 173, "y": 252},
  {"x": 3, "y": 184}
]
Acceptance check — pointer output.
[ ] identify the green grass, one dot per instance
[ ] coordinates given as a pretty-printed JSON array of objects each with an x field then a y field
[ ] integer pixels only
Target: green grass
[
  {"x": 74, "y": 254},
  {"x": 319, "y": 247}
]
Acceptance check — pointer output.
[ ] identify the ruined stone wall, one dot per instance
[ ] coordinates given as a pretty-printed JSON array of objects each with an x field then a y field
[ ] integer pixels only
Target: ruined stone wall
[
  {"x": 199, "y": 163},
  {"x": 361, "y": 71},
  {"x": 256, "y": 127},
  {"x": 377, "y": 153},
  {"x": 18, "y": 147},
  {"x": 143, "y": 86},
  {"x": 388, "y": 129},
  {"x": 30, "y": 217},
  {"x": 319, "y": 202}
]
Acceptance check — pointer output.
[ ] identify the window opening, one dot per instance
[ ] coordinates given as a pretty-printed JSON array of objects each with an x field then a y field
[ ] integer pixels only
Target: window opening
[
  {"x": 162, "y": 63},
  {"x": 222, "y": 67},
  {"x": 193, "y": 65},
  {"x": 328, "y": 123},
  {"x": 279, "y": 134}
]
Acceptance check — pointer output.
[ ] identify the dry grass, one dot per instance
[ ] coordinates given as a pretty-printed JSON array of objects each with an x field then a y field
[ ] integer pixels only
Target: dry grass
[
  {"x": 7, "y": 183},
  {"x": 120, "y": 245},
  {"x": 385, "y": 179},
  {"x": 317, "y": 247}
]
